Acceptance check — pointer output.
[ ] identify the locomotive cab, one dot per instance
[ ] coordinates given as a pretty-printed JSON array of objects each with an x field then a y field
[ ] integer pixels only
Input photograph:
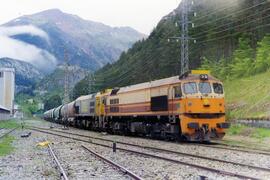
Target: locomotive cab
[{"x": 202, "y": 116}]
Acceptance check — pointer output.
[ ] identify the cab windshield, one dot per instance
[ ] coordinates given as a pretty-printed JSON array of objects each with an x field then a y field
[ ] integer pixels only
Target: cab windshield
[
  {"x": 190, "y": 88},
  {"x": 204, "y": 87}
]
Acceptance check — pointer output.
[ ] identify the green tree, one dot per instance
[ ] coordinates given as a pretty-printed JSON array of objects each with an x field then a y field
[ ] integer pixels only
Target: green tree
[
  {"x": 242, "y": 62},
  {"x": 218, "y": 69},
  {"x": 263, "y": 55}
]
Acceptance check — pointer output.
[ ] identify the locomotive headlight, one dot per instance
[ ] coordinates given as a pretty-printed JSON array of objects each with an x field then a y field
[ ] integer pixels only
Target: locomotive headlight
[
  {"x": 203, "y": 77},
  {"x": 206, "y": 102}
]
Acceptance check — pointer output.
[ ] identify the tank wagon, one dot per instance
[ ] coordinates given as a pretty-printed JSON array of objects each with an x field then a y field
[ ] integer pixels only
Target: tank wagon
[
  {"x": 48, "y": 115},
  {"x": 191, "y": 108},
  {"x": 67, "y": 113}
]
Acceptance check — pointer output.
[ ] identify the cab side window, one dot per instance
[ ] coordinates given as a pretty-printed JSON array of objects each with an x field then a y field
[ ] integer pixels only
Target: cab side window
[
  {"x": 177, "y": 91},
  {"x": 218, "y": 88}
]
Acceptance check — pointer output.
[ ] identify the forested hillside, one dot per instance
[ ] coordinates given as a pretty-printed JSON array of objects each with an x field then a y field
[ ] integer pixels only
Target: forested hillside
[{"x": 230, "y": 37}]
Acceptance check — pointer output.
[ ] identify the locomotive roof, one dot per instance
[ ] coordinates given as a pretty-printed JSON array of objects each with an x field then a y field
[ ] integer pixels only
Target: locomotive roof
[
  {"x": 85, "y": 97},
  {"x": 161, "y": 82}
]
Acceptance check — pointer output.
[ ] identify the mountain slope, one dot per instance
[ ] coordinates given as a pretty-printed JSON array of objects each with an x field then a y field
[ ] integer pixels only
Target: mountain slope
[
  {"x": 88, "y": 44},
  {"x": 217, "y": 36}
]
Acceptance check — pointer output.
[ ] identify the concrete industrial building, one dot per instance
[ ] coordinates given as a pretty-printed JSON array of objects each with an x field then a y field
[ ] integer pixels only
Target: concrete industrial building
[
  {"x": 4, "y": 113},
  {"x": 7, "y": 89}
]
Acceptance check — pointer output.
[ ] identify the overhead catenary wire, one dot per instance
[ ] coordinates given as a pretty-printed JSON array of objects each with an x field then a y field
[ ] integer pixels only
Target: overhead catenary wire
[
  {"x": 202, "y": 33},
  {"x": 236, "y": 33},
  {"x": 218, "y": 10},
  {"x": 232, "y": 28},
  {"x": 234, "y": 13}
]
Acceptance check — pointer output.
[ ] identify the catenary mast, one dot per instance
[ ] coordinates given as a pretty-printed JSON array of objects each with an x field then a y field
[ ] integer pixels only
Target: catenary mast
[{"x": 184, "y": 38}]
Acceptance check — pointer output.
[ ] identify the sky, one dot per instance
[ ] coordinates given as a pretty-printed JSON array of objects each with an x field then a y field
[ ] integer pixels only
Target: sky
[{"x": 142, "y": 15}]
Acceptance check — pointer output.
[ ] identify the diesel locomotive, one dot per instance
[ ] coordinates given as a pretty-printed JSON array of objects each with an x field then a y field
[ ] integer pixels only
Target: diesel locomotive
[{"x": 190, "y": 108}]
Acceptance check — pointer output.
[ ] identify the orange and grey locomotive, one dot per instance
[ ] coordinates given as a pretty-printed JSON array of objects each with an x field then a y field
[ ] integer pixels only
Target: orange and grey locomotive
[{"x": 191, "y": 108}]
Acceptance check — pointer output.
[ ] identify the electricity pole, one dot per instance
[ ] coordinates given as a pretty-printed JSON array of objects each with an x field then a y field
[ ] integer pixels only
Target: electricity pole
[
  {"x": 66, "y": 83},
  {"x": 184, "y": 38},
  {"x": 66, "y": 88}
]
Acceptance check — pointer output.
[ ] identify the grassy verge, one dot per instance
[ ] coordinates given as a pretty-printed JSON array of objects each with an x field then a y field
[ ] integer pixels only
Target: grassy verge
[
  {"x": 242, "y": 130},
  {"x": 248, "y": 137},
  {"x": 9, "y": 124},
  {"x": 6, "y": 145},
  {"x": 248, "y": 97}
]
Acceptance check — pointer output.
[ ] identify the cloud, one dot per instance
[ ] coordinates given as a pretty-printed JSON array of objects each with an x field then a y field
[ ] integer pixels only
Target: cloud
[
  {"x": 27, "y": 29},
  {"x": 20, "y": 50}
]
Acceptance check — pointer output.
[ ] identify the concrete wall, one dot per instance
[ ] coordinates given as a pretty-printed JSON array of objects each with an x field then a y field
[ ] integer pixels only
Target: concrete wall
[
  {"x": 254, "y": 123},
  {"x": 7, "y": 87}
]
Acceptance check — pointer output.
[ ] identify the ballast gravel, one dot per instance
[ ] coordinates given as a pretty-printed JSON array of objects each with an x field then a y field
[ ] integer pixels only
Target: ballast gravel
[
  {"x": 259, "y": 160},
  {"x": 149, "y": 168},
  {"x": 145, "y": 167},
  {"x": 241, "y": 170},
  {"x": 27, "y": 161},
  {"x": 80, "y": 164}
]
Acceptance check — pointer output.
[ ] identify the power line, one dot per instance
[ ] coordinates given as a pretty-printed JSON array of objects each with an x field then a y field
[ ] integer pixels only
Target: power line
[
  {"x": 215, "y": 11},
  {"x": 222, "y": 37},
  {"x": 234, "y": 13},
  {"x": 230, "y": 23},
  {"x": 230, "y": 28}
]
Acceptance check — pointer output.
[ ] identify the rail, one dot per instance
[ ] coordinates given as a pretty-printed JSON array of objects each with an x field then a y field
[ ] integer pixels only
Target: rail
[
  {"x": 61, "y": 169},
  {"x": 124, "y": 170}
]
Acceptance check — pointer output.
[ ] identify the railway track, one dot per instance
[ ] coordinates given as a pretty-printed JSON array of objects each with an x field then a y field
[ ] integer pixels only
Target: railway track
[
  {"x": 214, "y": 145},
  {"x": 175, "y": 152},
  {"x": 7, "y": 133},
  {"x": 55, "y": 153},
  {"x": 235, "y": 148},
  {"x": 161, "y": 157},
  {"x": 124, "y": 170},
  {"x": 63, "y": 174}
]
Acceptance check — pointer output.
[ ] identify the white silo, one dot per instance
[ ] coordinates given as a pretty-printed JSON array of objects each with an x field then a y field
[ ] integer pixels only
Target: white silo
[{"x": 7, "y": 87}]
